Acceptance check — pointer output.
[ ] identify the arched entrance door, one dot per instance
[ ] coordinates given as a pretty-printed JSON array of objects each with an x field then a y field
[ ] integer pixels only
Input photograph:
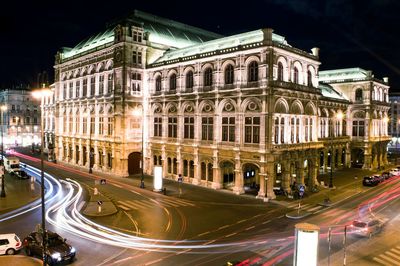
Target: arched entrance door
[
  {"x": 228, "y": 174},
  {"x": 251, "y": 178},
  {"x": 134, "y": 163}
]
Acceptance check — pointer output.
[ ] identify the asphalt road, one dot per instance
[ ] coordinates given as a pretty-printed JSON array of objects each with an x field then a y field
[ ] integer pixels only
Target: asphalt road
[{"x": 206, "y": 227}]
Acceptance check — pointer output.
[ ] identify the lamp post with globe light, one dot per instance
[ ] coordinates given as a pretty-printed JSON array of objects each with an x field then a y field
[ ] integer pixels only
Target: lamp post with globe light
[
  {"x": 139, "y": 112},
  {"x": 338, "y": 117},
  {"x": 41, "y": 94}
]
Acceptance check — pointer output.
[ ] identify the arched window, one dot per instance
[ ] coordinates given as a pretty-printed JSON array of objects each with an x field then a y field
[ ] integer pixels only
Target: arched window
[
  {"x": 208, "y": 77},
  {"x": 172, "y": 82},
  {"x": 229, "y": 74},
  {"x": 158, "y": 83},
  {"x": 359, "y": 95},
  {"x": 296, "y": 75},
  {"x": 309, "y": 78},
  {"x": 280, "y": 71},
  {"x": 189, "y": 79},
  {"x": 253, "y": 72}
]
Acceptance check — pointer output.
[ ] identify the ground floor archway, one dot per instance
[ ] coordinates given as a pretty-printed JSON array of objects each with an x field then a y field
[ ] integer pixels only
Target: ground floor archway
[
  {"x": 135, "y": 163},
  {"x": 228, "y": 174},
  {"x": 357, "y": 158}
]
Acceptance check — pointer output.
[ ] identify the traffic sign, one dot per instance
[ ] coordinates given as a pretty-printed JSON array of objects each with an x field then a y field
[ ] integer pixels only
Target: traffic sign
[{"x": 301, "y": 188}]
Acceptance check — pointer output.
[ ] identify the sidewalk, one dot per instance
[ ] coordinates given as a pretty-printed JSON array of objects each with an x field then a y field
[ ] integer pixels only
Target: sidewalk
[
  {"x": 20, "y": 260},
  {"x": 19, "y": 192}
]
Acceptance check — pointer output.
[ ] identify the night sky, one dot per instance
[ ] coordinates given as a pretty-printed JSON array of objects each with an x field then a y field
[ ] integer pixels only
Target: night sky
[{"x": 349, "y": 33}]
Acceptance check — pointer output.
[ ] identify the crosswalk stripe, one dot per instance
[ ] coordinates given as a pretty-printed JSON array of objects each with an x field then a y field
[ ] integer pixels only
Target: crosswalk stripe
[
  {"x": 386, "y": 258},
  {"x": 381, "y": 261},
  {"x": 179, "y": 202},
  {"x": 127, "y": 203},
  {"x": 391, "y": 254},
  {"x": 144, "y": 204},
  {"x": 124, "y": 208},
  {"x": 395, "y": 250}
]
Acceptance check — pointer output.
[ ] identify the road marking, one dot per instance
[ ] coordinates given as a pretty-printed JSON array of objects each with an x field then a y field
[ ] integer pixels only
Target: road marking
[
  {"x": 117, "y": 185},
  {"x": 179, "y": 202},
  {"x": 222, "y": 227},
  {"x": 241, "y": 221},
  {"x": 209, "y": 242},
  {"x": 391, "y": 254},
  {"x": 380, "y": 261},
  {"x": 124, "y": 208},
  {"x": 266, "y": 222},
  {"x": 231, "y": 235},
  {"x": 129, "y": 204},
  {"x": 248, "y": 228},
  {"x": 395, "y": 250},
  {"x": 184, "y": 251},
  {"x": 202, "y": 234},
  {"x": 281, "y": 216},
  {"x": 386, "y": 258},
  {"x": 135, "y": 192}
]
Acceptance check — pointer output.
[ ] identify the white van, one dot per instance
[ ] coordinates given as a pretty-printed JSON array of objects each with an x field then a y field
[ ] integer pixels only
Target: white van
[
  {"x": 9, "y": 244},
  {"x": 11, "y": 164}
]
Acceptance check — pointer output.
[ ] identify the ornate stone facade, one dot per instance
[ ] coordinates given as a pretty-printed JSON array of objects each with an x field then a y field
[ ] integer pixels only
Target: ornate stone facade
[{"x": 223, "y": 112}]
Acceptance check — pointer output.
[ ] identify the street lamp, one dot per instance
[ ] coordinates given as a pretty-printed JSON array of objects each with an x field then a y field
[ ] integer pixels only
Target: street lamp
[
  {"x": 41, "y": 94},
  {"x": 90, "y": 143},
  {"x": 384, "y": 120},
  {"x": 338, "y": 117},
  {"x": 3, "y": 190},
  {"x": 140, "y": 113}
]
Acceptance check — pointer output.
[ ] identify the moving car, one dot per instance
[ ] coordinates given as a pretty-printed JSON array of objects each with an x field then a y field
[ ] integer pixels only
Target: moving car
[
  {"x": 57, "y": 249},
  {"x": 21, "y": 174},
  {"x": 370, "y": 181},
  {"x": 366, "y": 228},
  {"x": 9, "y": 244},
  {"x": 11, "y": 164}
]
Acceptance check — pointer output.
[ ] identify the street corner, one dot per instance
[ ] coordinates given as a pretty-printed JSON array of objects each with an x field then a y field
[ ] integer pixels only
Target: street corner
[
  {"x": 297, "y": 214},
  {"x": 20, "y": 260},
  {"x": 99, "y": 208}
]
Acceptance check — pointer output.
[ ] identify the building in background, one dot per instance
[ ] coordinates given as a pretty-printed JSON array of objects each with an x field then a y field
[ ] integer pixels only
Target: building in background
[
  {"x": 394, "y": 126},
  {"x": 21, "y": 121},
  {"x": 232, "y": 112}
]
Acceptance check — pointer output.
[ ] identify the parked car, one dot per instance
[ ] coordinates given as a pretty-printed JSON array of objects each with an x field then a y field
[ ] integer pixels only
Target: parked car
[
  {"x": 57, "y": 249},
  {"x": 9, "y": 244},
  {"x": 366, "y": 228},
  {"x": 379, "y": 177},
  {"x": 370, "y": 181},
  {"x": 386, "y": 175},
  {"x": 394, "y": 171}
]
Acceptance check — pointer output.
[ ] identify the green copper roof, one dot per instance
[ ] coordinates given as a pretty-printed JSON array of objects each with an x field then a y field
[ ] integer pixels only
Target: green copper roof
[
  {"x": 160, "y": 30},
  {"x": 344, "y": 74},
  {"x": 220, "y": 44},
  {"x": 328, "y": 91}
]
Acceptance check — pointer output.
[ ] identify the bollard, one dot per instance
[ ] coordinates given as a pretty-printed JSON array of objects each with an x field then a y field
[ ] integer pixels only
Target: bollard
[
  {"x": 99, "y": 209},
  {"x": 95, "y": 192}
]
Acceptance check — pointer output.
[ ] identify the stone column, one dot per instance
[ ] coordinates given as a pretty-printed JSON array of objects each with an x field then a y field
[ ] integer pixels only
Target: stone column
[
  {"x": 197, "y": 169},
  {"x": 325, "y": 160},
  {"x": 300, "y": 177},
  {"x": 238, "y": 189},
  {"x": 270, "y": 182},
  {"x": 262, "y": 176},
  {"x": 367, "y": 158},
  {"x": 217, "y": 182},
  {"x": 286, "y": 179}
]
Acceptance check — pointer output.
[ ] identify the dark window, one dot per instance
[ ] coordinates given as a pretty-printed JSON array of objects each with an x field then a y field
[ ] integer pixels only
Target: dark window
[
  {"x": 84, "y": 87},
  {"x": 188, "y": 128},
  {"x": 172, "y": 82},
  {"x": 134, "y": 57},
  {"x": 280, "y": 71},
  {"x": 110, "y": 83},
  {"x": 4, "y": 242},
  {"x": 157, "y": 126},
  {"x": 207, "y": 128},
  {"x": 228, "y": 129},
  {"x": 359, "y": 95},
  {"x": 172, "y": 127},
  {"x": 358, "y": 128},
  {"x": 101, "y": 84},
  {"x": 92, "y": 85},
  {"x": 158, "y": 83},
  {"x": 309, "y": 78},
  {"x": 77, "y": 88},
  {"x": 276, "y": 130},
  {"x": 295, "y": 75},
  {"x": 109, "y": 160},
  {"x": 208, "y": 77},
  {"x": 253, "y": 72},
  {"x": 229, "y": 74},
  {"x": 189, "y": 80},
  {"x": 252, "y": 130}
]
